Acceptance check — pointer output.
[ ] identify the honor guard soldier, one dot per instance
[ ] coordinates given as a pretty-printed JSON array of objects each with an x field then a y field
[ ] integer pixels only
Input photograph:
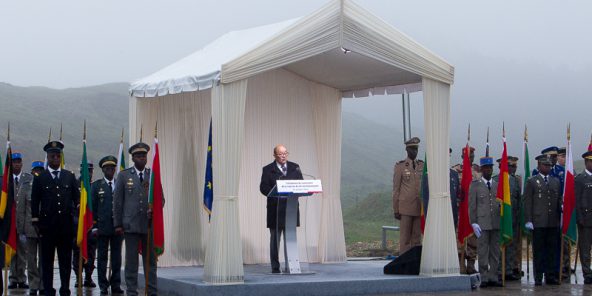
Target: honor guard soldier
[
  {"x": 513, "y": 249},
  {"x": 102, "y": 199},
  {"x": 22, "y": 191},
  {"x": 88, "y": 266},
  {"x": 406, "y": 191},
  {"x": 470, "y": 248},
  {"x": 131, "y": 218},
  {"x": 484, "y": 214},
  {"x": 53, "y": 207},
  {"x": 584, "y": 215},
  {"x": 542, "y": 210}
]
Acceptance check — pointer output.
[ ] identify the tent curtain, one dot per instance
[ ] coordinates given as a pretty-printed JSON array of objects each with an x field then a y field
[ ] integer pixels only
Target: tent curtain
[
  {"x": 224, "y": 262},
  {"x": 439, "y": 253},
  {"x": 183, "y": 128},
  {"x": 327, "y": 122}
]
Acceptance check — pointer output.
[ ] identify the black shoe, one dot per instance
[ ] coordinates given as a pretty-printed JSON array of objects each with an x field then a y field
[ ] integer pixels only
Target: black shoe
[
  {"x": 512, "y": 277},
  {"x": 275, "y": 270},
  {"x": 552, "y": 282},
  {"x": 588, "y": 281},
  {"x": 483, "y": 285},
  {"x": 41, "y": 292},
  {"x": 32, "y": 292},
  {"x": 495, "y": 284},
  {"x": 13, "y": 286},
  {"x": 104, "y": 292},
  {"x": 89, "y": 283},
  {"x": 116, "y": 291},
  {"x": 23, "y": 286}
]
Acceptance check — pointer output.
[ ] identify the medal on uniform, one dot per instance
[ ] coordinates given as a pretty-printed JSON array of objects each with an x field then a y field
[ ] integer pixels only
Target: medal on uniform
[{"x": 130, "y": 182}]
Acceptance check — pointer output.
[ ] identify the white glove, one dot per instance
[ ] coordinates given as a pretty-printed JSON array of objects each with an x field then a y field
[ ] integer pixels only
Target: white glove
[
  {"x": 476, "y": 230},
  {"x": 529, "y": 226},
  {"x": 23, "y": 238}
]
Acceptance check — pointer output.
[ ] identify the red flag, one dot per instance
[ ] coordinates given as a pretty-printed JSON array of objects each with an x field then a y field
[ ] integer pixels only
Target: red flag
[
  {"x": 9, "y": 210},
  {"x": 569, "y": 228},
  {"x": 464, "y": 225},
  {"x": 155, "y": 199}
]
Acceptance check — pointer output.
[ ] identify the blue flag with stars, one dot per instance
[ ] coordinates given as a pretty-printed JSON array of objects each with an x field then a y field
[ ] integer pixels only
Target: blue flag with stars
[{"x": 208, "y": 196}]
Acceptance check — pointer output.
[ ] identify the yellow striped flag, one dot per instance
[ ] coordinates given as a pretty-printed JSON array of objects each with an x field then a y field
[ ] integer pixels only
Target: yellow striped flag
[{"x": 85, "y": 218}]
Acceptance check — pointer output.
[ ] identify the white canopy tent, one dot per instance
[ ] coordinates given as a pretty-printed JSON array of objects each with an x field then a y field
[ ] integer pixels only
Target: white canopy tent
[{"x": 283, "y": 83}]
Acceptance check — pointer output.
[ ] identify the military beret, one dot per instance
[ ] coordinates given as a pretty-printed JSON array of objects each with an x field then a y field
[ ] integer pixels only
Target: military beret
[
  {"x": 486, "y": 160},
  {"x": 53, "y": 146},
  {"x": 544, "y": 159},
  {"x": 412, "y": 142},
  {"x": 17, "y": 155},
  {"x": 550, "y": 150},
  {"x": 561, "y": 151},
  {"x": 108, "y": 160},
  {"x": 139, "y": 148},
  {"x": 37, "y": 164},
  {"x": 587, "y": 155}
]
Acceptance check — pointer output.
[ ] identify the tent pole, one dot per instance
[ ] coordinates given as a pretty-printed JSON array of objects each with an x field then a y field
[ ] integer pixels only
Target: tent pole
[
  {"x": 408, "y": 115},
  {"x": 404, "y": 118}
]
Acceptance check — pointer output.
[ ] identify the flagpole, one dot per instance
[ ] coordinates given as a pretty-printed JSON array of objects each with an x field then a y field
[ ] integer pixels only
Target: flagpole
[
  {"x": 501, "y": 179},
  {"x": 6, "y": 266},
  {"x": 464, "y": 246},
  {"x": 79, "y": 247},
  {"x": 148, "y": 248},
  {"x": 504, "y": 265},
  {"x": 576, "y": 261}
]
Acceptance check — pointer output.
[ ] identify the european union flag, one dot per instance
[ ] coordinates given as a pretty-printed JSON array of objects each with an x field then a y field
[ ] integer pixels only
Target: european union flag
[{"x": 208, "y": 196}]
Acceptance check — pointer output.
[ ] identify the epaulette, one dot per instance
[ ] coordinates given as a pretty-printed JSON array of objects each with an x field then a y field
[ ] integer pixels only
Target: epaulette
[{"x": 402, "y": 161}]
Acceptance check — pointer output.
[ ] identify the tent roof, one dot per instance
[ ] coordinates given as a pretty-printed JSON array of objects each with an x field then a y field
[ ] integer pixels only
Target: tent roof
[{"x": 340, "y": 45}]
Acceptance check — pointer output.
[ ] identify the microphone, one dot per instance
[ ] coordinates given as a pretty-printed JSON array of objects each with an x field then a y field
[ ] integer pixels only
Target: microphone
[{"x": 310, "y": 176}]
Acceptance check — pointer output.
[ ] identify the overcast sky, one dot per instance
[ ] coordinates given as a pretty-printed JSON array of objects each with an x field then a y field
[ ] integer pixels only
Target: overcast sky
[{"x": 516, "y": 61}]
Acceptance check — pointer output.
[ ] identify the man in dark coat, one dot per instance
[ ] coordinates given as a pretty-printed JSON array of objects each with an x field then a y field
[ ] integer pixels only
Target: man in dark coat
[
  {"x": 282, "y": 169},
  {"x": 53, "y": 199}
]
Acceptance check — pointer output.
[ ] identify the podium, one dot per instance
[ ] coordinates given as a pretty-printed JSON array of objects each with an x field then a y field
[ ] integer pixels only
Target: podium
[{"x": 292, "y": 190}]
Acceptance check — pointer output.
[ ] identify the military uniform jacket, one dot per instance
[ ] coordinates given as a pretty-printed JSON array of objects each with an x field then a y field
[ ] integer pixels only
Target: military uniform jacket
[
  {"x": 542, "y": 202},
  {"x": 584, "y": 199},
  {"x": 130, "y": 201},
  {"x": 276, "y": 212},
  {"x": 484, "y": 207},
  {"x": 22, "y": 196},
  {"x": 406, "y": 187},
  {"x": 53, "y": 201},
  {"x": 102, "y": 207}
]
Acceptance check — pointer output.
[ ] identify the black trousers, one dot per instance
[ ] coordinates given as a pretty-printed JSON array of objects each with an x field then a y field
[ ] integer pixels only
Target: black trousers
[
  {"x": 545, "y": 253},
  {"x": 63, "y": 243},
  {"x": 274, "y": 245},
  {"x": 105, "y": 242}
]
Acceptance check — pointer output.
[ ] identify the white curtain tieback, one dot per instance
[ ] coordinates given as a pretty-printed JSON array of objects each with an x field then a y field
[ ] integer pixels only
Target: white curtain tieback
[{"x": 442, "y": 194}]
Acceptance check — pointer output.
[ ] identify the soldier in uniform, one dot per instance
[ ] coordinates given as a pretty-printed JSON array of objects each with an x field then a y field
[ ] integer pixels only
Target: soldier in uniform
[
  {"x": 88, "y": 266},
  {"x": 131, "y": 215},
  {"x": 542, "y": 205},
  {"x": 406, "y": 203},
  {"x": 102, "y": 199},
  {"x": 559, "y": 172},
  {"x": 583, "y": 194},
  {"x": 33, "y": 241},
  {"x": 22, "y": 190},
  {"x": 513, "y": 248},
  {"x": 484, "y": 214},
  {"x": 53, "y": 207},
  {"x": 469, "y": 250}
]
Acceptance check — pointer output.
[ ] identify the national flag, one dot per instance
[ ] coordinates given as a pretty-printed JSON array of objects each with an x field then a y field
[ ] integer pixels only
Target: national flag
[
  {"x": 569, "y": 228},
  {"x": 155, "y": 201},
  {"x": 424, "y": 177},
  {"x": 503, "y": 195},
  {"x": 208, "y": 196},
  {"x": 464, "y": 225},
  {"x": 120, "y": 159},
  {"x": 525, "y": 179},
  {"x": 85, "y": 218},
  {"x": 8, "y": 210}
]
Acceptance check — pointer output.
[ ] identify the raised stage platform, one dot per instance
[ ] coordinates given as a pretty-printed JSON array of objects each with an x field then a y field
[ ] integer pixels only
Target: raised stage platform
[{"x": 351, "y": 278}]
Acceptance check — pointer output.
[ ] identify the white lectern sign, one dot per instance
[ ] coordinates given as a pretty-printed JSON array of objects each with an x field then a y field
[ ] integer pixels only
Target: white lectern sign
[{"x": 299, "y": 186}]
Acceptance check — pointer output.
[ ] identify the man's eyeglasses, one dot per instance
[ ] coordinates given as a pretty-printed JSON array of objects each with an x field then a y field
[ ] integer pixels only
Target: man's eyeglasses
[{"x": 282, "y": 154}]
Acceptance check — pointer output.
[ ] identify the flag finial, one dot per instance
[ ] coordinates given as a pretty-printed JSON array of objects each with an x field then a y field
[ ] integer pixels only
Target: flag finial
[
  {"x": 121, "y": 135},
  {"x": 61, "y": 131},
  {"x": 141, "y": 127},
  {"x": 84, "y": 132},
  {"x": 487, "y": 144},
  {"x": 525, "y": 133},
  {"x": 156, "y": 130},
  {"x": 568, "y": 132},
  {"x": 49, "y": 136},
  {"x": 469, "y": 133},
  {"x": 503, "y": 129},
  {"x": 8, "y": 133}
]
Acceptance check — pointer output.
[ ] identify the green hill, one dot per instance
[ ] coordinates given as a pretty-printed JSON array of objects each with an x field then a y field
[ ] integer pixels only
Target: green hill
[{"x": 31, "y": 112}]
